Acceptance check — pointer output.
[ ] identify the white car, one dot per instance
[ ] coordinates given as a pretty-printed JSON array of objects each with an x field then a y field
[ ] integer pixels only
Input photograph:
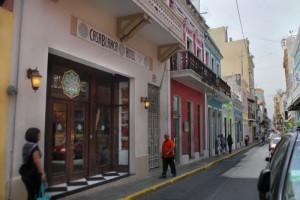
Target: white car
[
  {"x": 272, "y": 133},
  {"x": 273, "y": 143}
]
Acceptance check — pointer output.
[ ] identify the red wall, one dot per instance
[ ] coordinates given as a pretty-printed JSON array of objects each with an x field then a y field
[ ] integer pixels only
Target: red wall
[{"x": 188, "y": 94}]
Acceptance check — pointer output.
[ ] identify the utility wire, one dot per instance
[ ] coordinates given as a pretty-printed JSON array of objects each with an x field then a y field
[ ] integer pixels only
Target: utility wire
[
  {"x": 269, "y": 54},
  {"x": 267, "y": 68},
  {"x": 237, "y": 6},
  {"x": 257, "y": 37}
]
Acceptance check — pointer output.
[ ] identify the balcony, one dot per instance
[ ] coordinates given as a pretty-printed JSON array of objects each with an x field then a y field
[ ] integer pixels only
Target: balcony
[
  {"x": 187, "y": 69},
  {"x": 224, "y": 87},
  {"x": 152, "y": 19},
  {"x": 293, "y": 100},
  {"x": 164, "y": 16}
]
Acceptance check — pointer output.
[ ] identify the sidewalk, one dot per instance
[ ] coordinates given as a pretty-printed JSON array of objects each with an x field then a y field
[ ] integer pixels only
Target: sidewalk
[{"x": 133, "y": 188}]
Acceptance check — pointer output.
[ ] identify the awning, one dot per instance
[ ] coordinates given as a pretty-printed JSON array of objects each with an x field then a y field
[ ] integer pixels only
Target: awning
[{"x": 295, "y": 105}]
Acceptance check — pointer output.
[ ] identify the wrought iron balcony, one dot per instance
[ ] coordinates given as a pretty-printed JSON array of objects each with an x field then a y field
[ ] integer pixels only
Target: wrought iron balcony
[
  {"x": 190, "y": 70},
  {"x": 223, "y": 87}
]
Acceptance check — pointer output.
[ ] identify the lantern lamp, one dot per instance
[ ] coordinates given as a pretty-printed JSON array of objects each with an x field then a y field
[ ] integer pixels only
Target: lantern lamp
[
  {"x": 146, "y": 102},
  {"x": 35, "y": 77}
]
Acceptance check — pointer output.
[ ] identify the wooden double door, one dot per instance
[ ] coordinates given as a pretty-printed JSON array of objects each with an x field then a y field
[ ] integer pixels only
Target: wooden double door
[
  {"x": 68, "y": 141},
  {"x": 87, "y": 121}
]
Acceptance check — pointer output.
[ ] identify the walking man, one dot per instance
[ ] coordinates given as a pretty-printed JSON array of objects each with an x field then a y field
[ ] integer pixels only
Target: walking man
[
  {"x": 230, "y": 142},
  {"x": 168, "y": 156}
]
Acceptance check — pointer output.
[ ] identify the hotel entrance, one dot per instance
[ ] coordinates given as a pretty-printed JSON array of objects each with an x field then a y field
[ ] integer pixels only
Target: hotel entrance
[{"x": 87, "y": 121}]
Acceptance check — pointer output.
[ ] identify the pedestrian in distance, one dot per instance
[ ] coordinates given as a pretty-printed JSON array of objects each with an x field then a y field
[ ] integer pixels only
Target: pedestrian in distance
[
  {"x": 263, "y": 139},
  {"x": 247, "y": 140},
  {"x": 230, "y": 142},
  {"x": 168, "y": 156},
  {"x": 218, "y": 145},
  {"x": 222, "y": 138},
  {"x": 34, "y": 174}
]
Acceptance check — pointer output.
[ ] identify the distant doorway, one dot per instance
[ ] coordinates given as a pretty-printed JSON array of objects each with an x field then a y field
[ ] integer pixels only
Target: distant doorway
[
  {"x": 153, "y": 127},
  {"x": 176, "y": 120}
]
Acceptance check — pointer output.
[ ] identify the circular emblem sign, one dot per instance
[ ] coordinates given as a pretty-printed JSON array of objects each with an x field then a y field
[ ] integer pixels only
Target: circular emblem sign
[
  {"x": 83, "y": 30},
  {"x": 71, "y": 84}
]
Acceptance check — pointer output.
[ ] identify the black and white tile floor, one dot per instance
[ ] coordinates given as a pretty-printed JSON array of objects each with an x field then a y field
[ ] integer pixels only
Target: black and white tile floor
[{"x": 65, "y": 189}]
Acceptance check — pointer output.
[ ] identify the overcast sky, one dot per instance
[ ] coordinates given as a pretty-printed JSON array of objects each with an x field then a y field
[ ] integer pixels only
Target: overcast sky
[{"x": 265, "y": 23}]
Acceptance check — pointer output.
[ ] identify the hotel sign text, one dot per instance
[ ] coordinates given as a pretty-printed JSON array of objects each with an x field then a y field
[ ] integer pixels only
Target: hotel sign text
[{"x": 100, "y": 39}]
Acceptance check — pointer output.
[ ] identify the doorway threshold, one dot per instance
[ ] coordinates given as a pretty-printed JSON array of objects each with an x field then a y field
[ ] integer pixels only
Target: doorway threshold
[{"x": 73, "y": 187}]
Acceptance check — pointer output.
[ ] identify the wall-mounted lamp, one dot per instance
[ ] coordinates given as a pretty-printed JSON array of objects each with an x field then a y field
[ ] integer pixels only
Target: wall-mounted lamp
[
  {"x": 146, "y": 102},
  {"x": 35, "y": 77}
]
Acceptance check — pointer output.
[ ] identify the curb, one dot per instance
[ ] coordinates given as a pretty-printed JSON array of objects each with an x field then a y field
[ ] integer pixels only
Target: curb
[{"x": 158, "y": 186}]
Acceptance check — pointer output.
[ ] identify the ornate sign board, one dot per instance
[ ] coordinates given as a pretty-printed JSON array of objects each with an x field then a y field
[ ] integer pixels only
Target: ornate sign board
[
  {"x": 100, "y": 39},
  {"x": 71, "y": 84}
]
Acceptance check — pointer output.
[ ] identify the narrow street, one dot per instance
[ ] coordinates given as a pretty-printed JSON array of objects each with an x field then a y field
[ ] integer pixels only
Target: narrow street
[{"x": 233, "y": 178}]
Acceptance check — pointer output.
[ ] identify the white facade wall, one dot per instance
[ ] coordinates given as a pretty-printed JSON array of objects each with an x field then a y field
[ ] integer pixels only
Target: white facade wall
[{"x": 45, "y": 28}]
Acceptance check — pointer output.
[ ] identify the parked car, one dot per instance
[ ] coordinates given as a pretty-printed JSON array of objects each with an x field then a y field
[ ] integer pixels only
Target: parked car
[
  {"x": 59, "y": 151},
  {"x": 281, "y": 178},
  {"x": 273, "y": 144},
  {"x": 273, "y": 132},
  {"x": 272, "y": 138},
  {"x": 296, "y": 128}
]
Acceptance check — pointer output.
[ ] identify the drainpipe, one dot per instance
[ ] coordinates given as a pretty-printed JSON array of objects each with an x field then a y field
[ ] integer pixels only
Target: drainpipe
[
  {"x": 18, "y": 28},
  {"x": 160, "y": 85}
]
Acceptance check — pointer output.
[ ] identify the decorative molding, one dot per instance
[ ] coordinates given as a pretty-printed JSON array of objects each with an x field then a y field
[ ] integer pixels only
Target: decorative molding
[
  {"x": 166, "y": 51},
  {"x": 129, "y": 25}
]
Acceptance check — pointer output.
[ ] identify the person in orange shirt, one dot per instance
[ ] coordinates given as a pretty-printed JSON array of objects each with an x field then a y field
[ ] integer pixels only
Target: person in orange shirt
[{"x": 168, "y": 156}]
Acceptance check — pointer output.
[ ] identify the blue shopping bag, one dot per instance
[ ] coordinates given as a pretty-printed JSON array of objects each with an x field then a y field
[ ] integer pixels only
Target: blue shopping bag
[{"x": 42, "y": 193}]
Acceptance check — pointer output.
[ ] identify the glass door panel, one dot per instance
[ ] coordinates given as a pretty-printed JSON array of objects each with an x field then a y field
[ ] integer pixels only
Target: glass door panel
[
  {"x": 68, "y": 149},
  {"x": 78, "y": 137},
  {"x": 59, "y": 115},
  {"x": 103, "y": 147},
  {"x": 121, "y": 123}
]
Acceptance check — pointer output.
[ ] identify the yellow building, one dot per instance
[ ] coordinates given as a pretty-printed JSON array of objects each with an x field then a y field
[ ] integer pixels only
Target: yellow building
[
  {"x": 99, "y": 62},
  {"x": 237, "y": 59},
  {"x": 6, "y": 27},
  {"x": 278, "y": 117}
]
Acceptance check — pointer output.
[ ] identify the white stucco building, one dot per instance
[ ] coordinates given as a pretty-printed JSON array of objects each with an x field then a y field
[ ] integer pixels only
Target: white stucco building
[{"x": 98, "y": 60}]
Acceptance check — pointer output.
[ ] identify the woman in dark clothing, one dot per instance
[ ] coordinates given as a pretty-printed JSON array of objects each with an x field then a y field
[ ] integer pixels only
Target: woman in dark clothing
[
  {"x": 31, "y": 155},
  {"x": 230, "y": 142}
]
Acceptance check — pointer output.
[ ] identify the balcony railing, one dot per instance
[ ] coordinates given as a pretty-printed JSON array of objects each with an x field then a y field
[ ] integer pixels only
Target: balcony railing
[
  {"x": 185, "y": 60},
  {"x": 165, "y": 15},
  {"x": 224, "y": 87}
]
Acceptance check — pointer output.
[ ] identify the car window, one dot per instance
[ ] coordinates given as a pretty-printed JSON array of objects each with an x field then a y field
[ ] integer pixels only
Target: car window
[
  {"x": 292, "y": 183},
  {"x": 276, "y": 161},
  {"x": 276, "y": 140}
]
